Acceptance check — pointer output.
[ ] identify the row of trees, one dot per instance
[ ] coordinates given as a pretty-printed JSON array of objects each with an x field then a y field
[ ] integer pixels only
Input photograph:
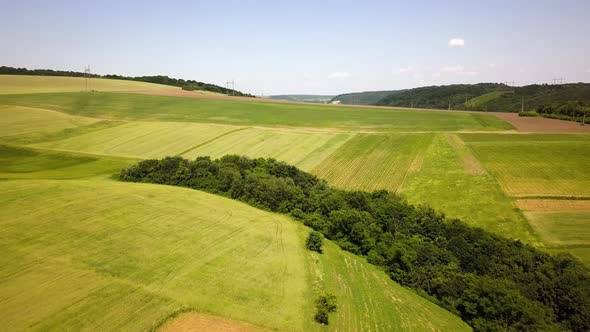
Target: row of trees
[
  {"x": 493, "y": 283},
  {"x": 573, "y": 110},
  {"x": 158, "y": 79}
]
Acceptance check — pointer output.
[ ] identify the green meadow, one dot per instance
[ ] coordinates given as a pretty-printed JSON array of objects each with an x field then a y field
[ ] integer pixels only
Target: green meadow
[
  {"x": 85, "y": 252},
  {"x": 247, "y": 113}
]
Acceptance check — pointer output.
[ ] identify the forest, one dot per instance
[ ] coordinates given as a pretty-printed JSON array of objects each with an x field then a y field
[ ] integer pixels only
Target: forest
[{"x": 492, "y": 283}]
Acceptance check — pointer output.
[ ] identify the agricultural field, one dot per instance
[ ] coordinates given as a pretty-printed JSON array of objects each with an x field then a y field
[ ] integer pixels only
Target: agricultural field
[
  {"x": 15, "y": 120},
  {"x": 143, "y": 139},
  {"x": 18, "y": 84},
  {"x": 536, "y": 165},
  {"x": 370, "y": 162},
  {"x": 136, "y": 107},
  {"x": 85, "y": 245},
  {"x": 302, "y": 149}
]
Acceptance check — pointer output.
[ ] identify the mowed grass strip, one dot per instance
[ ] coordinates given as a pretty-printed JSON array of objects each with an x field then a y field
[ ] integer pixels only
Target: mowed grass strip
[
  {"x": 16, "y": 84},
  {"x": 101, "y": 255},
  {"x": 444, "y": 183},
  {"x": 302, "y": 149},
  {"x": 15, "y": 120},
  {"x": 371, "y": 162},
  {"x": 555, "y": 165},
  {"x": 142, "y": 139},
  {"x": 253, "y": 113}
]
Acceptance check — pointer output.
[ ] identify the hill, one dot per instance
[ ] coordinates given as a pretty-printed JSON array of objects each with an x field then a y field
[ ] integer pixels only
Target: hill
[
  {"x": 251, "y": 113},
  {"x": 95, "y": 254},
  {"x": 303, "y": 98},
  {"x": 190, "y": 85},
  {"x": 362, "y": 98},
  {"x": 488, "y": 96}
]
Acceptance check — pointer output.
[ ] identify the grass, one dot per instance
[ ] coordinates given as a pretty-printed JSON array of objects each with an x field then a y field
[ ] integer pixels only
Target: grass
[
  {"x": 369, "y": 301},
  {"x": 371, "y": 162},
  {"x": 142, "y": 139},
  {"x": 485, "y": 98},
  {"x": 445, "y": 182},
  {"x": 24, "y": 163},
  {"x": 16, "y": 120},
  {"x": 562, "y": 228},
  {"x": 17, "y": 84},
  {"x": 535, "y": 165},
  {"x": 302, "y": 149},
  {"x": 96, "y": 254},
  {"x": 251, "y": 113}
]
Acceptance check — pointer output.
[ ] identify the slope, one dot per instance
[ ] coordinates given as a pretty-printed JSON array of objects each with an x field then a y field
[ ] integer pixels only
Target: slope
[{"x": 102, "y": 255}]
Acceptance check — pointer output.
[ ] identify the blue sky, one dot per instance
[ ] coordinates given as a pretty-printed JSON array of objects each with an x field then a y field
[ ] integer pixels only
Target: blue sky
[{"x": 319, "y": 47}]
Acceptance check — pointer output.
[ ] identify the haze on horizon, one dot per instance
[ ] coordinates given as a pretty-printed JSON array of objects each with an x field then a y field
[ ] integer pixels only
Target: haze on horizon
[{"x": 305, "y": 47}]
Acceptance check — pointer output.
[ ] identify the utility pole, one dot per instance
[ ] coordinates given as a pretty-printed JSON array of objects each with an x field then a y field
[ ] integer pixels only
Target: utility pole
[
  {"x": 584, "y": 118},
  {"x": 449, "y": 104},
  {"x": 522, "y": 105},
  {"x": 86, "y": 76}
]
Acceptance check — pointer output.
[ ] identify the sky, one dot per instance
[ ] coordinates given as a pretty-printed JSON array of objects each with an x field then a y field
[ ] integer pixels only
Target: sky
[{"x": 313, "y": 47}]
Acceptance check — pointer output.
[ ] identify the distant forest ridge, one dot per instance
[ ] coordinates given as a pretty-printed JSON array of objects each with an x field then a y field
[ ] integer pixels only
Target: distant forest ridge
[
  {"x": 478, "y": 97},
  {"x": 157, "y": 79}
]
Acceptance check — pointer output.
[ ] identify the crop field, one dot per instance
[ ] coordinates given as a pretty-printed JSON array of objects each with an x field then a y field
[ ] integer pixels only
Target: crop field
[
  {"x": 252, "y": 113},
  {"x": 371, "y": 162},
  {"x": 561, "y": 224},
  {"x": 533, "y": 165},
  {"x": 16, "y": 120},
  {"x": 143, "y": 139},
  {"x": 302, "y": 149},
  {"x": 17, "y": 84},
  {"x": 444, "y": 182},
  {"x": 84, "y": 249}
]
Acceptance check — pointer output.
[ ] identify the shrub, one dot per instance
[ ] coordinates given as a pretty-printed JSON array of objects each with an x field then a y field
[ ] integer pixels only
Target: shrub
[
  {"x": 325, "y": 304},
  {"x": 314, "y": 241}
]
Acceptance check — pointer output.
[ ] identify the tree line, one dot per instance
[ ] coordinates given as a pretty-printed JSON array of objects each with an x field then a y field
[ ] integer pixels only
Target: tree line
[
  {"x": 571, "y": 111},
  {"x": 190, "y": 85},
  {"x": 492, "y": 283}
]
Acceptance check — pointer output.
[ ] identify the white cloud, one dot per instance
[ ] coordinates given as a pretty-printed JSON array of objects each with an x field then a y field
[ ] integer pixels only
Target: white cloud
[
  {"x": 492, "y": 65},
  {"x": 588, "y": 70},
  {"x": 459, "y": 70},
  {"x": 339, "y": 75},
  {"x": 456, "y": 42},
  {"x": 403, "y": 70}
]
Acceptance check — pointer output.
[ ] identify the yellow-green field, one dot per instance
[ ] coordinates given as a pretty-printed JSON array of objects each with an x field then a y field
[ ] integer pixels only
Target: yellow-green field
[
  {"x": 103, "y": 255},
  {"x": 302, "y": 149},
  {"x": 17, "y": 84},
  {"x": 15, "y": 120}
]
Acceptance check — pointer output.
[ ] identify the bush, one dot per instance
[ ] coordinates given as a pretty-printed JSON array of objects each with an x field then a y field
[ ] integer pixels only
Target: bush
[
  {"x": 314, "y": 241},
  {"x": 325, "y": 304}
]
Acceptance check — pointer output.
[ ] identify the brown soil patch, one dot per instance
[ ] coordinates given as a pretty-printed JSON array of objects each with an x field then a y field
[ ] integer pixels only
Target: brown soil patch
[
  {"x": 542, "y": 125},
  {"x": 553, "y": 205},
  {"x": 193, "y": 322}
]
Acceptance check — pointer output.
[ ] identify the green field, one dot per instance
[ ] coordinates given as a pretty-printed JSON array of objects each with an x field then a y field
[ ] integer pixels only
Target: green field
[
  {"x": 100, "y": 254},
  {"x": 535, "y": 165},
  {"x": 104, "y": 255},
  {"x": 302, "y": 149},
  {"x": 253, "y": 113},
  {"x": 11, "y": 84},
  {"x": 15, "y": 120},
  {"x": 370, "y": 162}
]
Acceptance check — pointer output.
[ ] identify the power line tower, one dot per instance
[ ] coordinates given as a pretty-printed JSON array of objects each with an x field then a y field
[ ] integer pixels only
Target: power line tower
[
  {"x": 87, "y": 74},
  {"x": 558, "y": 80},
  {"x": 231, "y": 85}
]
